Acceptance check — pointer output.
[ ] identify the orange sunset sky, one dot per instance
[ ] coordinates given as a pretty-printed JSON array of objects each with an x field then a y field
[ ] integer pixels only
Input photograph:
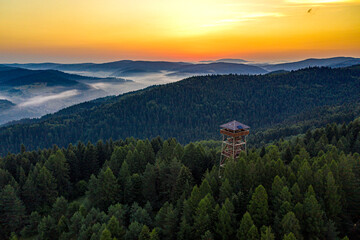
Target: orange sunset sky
[{"x": 177, "y": 30}]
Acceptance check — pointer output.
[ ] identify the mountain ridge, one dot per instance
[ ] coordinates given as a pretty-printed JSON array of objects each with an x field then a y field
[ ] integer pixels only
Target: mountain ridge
[{"x": 197, "y": 104}]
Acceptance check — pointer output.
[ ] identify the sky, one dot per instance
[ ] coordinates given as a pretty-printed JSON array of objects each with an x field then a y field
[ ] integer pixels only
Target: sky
[{"x": 177, "y": 30}]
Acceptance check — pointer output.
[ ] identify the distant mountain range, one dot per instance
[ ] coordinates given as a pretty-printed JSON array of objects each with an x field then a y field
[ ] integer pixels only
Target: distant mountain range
[
  {"x": 33, "y": 93},
  {"x": 35, "y": 89},
  {"x": 313, "y": 62},
  {"x": 193, "y": 109},
  {"x": 126, "y": 68}
]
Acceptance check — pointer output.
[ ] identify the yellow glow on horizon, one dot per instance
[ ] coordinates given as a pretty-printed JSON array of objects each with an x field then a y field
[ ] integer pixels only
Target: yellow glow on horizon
[{"x": 100, "y": 30}]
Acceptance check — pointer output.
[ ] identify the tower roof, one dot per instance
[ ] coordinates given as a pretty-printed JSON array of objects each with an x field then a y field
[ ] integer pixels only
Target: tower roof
[{"x": 234, "y": 125}]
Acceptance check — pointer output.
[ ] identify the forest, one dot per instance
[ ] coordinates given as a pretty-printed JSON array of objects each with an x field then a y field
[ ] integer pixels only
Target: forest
[
  {"x": 289, "y": 103},
  {"x": 303, "y": 187}
]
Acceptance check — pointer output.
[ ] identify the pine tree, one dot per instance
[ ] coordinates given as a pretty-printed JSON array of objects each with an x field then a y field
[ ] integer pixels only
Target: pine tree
[
  {"x": 59, "y": 168},
  {"x": 32, "y": 226},
  {"x": 104, "y": 190},
  {"x": 134, "y": 231},
  {"x": 12, "y": 210},
  {"x": 332, "y": 197},
  {"x": 226, "y": 190},
  {"x": 113, "y": 226},
  {"x": 258, "y": 207},
  {"x": 313, "y": 217},
  {"x": 290, "y": 224},
  {"x": 289, "y": 236},
  {"x": 226, "y": 225},
  {"x": 183, "y": 179},
  {"x": 145, "y": 233},
  {"x": 245, "y": 225},
  {"x": 266, "y": 233},
  {"x": 253, "y": 233},
  {"x": 59, "y": 208},
  {"x": 203, "y": 216},
  {"x": 124, "y": 177},
  {"x": 276, "y": 188},
  {"x": 89, "y": 162},
  {"x": 154, "y": 235},
  {"x": 47, "y": 228},
  {"x": 105, "y": 235},
  {"x": 46, "y": 187},
  {"x": 108, "y": 188},
  {"x": 117, "y": 158}
]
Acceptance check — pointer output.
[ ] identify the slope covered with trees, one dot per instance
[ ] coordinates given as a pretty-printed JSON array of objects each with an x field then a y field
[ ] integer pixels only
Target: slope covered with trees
[
  {"x": 192, "y": 109},
  {"x": 306, "y": 187}
]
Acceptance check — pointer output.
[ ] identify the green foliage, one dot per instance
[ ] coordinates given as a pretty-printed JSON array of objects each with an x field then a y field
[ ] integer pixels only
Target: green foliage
[
  {"x": 253, "y": 233},
  {"x": 332, "y": 197},
  {"x": 59, "y": 169},
  {"x": 226, "y": 221},
  {"x": 188, "y": 109},
  {"x": 105, "y": 235},
  {"x": 267, "y": 234},
  {"x": 314, "y": 196},
  {"x": 103, "y": 190},
  {"x": 134, "y": 231},
  {"x": 245, "y": 225},
  {"x": 258, "y": 206},
  {"x": 313, "y": 216},
  {"x": 289, "y": 236},
  {"x": 290, "y": 224},
  {"x": 47, "y": 229},
  {"x": 203, "y": 217},
  {"x": 145, "y": 233},
  {"x": 12, "y": 211}
]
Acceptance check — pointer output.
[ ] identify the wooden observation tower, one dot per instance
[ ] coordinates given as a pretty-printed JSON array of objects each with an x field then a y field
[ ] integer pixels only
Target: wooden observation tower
[{"x": 234, "y": 140}]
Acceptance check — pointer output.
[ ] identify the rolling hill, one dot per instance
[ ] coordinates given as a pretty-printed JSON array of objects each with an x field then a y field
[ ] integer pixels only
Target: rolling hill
[
  {"x": 313, "y": 62},
  {"x": 125, "y": 68},
  {"x": 34, "y": 93},
  {"x": 5, "y": 105},
  {"x": 192, "y": 109}
]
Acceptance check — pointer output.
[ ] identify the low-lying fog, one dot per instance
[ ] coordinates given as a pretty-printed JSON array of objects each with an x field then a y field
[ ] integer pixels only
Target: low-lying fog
[{"x": 36, "y": 101}]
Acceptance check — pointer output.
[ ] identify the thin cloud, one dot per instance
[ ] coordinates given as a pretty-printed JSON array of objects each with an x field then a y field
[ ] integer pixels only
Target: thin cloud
[
  {"x": 244, "y": 17},
  {"x": 42, "y": 99},
  {"x": 317, "y": 1}
]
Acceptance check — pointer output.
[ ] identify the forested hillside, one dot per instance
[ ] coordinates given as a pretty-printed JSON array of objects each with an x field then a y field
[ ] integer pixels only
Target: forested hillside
[
  {"x": 303, "y": 188},
  {"x": 192, "y": 109}
]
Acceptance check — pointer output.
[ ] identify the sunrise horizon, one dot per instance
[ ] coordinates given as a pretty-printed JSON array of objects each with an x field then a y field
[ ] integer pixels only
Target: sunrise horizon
[{"x": 105, "y": 31}]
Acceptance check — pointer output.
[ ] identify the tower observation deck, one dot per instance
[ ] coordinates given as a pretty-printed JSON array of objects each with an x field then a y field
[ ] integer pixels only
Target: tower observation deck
[{"x": 234, "y": 140}]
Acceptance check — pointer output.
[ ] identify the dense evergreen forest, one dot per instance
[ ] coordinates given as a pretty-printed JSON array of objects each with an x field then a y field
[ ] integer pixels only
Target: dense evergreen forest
[
  {"x": 192, "y": 109},
  {"x": 306, "y": 187}
]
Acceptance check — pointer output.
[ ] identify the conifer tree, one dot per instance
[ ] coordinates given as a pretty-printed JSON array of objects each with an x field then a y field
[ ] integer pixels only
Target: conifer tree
[
  {"x": 59, "y": 168},
  {"x": 245, "y": 225},
  {"x": 12, "y": 210},
  {"x": 313, "y": 217},
  {"x": 105, "y": 235},
  {"x": 114, "y": 227},
  {"x": 290, "y": 224},
  {"x": 332, "y": 197},
  {"x": 226, "y": 190},
  {"x": 225, "y": 225},
  {"x": 47, "y": 228},
  {"x": 267, "y": 234},
  {"x": 258, "y": 206},
  {"x": 289, "y": 236},
  {"x": 154, "y": 235},
  {"x": 145, "y": 233},
  {"x": 203, "y": 216},
  {"x": 46, "y": 187},
  {"x": 253, "y": 233}
]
